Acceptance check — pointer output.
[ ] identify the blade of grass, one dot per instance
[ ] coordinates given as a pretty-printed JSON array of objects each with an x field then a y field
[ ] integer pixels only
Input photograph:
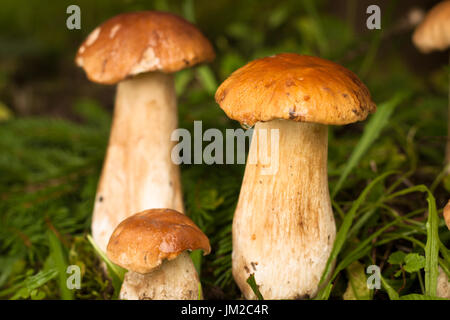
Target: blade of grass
[
  {"x": 59, "y": 261},
  {"x": 432, "y": 244},
  {"x": 33, "y": 282},
  {"x": 393, "y": 295},
  {"x": 431, "y": 248},
  {"x": 207, "y": 79},
  {"x": 115, "y": 272},
  {"x": 189, "y": 10},
  {"x": 322, "y": 42},
  {"x": 360, "y": 251},
  {"x": 341, "y": 236},
  {"x": 371, "y": 132},
  {"x": 252, "y": 283},
  {"x": 197, "y": 257}
]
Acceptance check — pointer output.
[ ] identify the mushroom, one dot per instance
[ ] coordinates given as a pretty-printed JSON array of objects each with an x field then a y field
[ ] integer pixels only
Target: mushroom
[
  {"x": 434, "y": 34},
  {"x": 446, "y": 213},
  {"x": 283, "y": 226},
  {"x": 443, "y": 285},
  {"x": 152, "y": 245},
  {"x": 140, "y": 51}
]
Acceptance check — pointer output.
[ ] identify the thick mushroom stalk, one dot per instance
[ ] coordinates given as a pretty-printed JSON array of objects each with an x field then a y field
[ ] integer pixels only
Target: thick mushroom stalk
[
  {"x": 138, "y": 172},
  {"x": 283, "y": 227},
  {"x": 171, "y": 281},
  {"x": 152, "y": 245}
]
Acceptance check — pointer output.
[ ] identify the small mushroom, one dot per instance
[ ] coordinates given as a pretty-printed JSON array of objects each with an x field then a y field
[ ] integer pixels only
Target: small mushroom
[
  {"x": 283, "y": 227},
  {"x": 443, "y": 285},
  {"x": 140, "y": 51},
  {"x": 434, "y": 34},
  {"x": 152, "y": 245},
  {"x": 446, "y": 214}
]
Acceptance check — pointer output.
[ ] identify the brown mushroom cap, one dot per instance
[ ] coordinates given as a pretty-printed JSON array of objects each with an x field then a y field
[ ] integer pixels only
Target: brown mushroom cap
[
  {"x": 133, "y": 43},
  {"x": 434, "y": 31},
  {"x": 141, "y": 242},
  {"x": 294, "y": 87}
]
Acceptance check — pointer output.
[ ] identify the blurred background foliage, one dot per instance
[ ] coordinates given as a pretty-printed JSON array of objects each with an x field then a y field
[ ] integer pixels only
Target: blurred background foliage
[{"x": 54, "y": 126}]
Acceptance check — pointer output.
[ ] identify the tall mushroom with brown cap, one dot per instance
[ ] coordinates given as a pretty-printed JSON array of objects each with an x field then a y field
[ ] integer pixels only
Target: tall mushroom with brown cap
[
  {"x": 140, "y": 51},
  {"x": 283, "y": 227},
  {"x": 434, "y": 34},
  {"x": 152, "y": 245}
]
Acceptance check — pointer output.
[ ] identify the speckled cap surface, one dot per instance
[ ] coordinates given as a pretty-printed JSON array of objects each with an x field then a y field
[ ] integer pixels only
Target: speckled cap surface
[
  {"x": 294, "y": 87},
  {"x": 141, "y": 242},
  {"x": 138, "y": 42}
]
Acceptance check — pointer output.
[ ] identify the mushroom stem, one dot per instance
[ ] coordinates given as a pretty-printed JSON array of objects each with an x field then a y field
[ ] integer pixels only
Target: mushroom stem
[
  {"x": 138, "y": 172},
  {"x": 283, "y": 227},
  {"x": 170, "y": 281}
]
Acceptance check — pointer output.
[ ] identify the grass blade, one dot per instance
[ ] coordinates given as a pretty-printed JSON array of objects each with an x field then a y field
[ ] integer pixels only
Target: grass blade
[
  {"x": 345, "y": 227},
  {"x": 433, "y": 241},
  {"x": 59, "y": 261},
  {"x": 115, "y": 272},
  {"x": 393, "y": 295},
  {"x": 371, "y": 132},
  {"x": 252, "y": 283},
  {"x": 431, "y": 248}
]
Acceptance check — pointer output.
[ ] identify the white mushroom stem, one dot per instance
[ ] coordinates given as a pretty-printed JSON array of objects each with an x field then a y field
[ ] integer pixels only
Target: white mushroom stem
[
  {"x": 283, "y": 227},
  {"x": 138, "y": 172},
  {"x": 171, "y": 281}
]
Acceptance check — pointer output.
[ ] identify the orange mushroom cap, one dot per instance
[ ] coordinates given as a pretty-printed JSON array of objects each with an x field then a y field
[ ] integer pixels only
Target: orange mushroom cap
[{"x": 294, "y": 87}]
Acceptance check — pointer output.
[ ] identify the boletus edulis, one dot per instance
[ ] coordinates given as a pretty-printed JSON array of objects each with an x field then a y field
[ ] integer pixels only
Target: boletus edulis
[
  {"x": 283, "y": 227},
  {"x": 433, "y": 34},
  {"x": 140, "y": 51},
  {"x": 152, "y": 245}
]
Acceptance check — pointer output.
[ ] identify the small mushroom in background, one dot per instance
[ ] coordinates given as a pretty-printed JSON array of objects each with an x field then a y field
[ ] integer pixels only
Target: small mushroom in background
[
  {"x": 140, "y": 51},
  {"x": 434, "y": 34},
  {"x": 283, "y": 227},
  {"x": 446, "y": 214},
  {"x": 443, "y": 285},
  {"x": 152, "y": 245}
]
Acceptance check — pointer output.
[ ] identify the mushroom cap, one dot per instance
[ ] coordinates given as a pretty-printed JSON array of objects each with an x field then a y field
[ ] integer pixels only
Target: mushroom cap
[
  {"x": 294, "y": 87},
  {"x": 141, "y": 242},
  {"x": 434, "y": 31},
  {"x": 138, "y": 42}
]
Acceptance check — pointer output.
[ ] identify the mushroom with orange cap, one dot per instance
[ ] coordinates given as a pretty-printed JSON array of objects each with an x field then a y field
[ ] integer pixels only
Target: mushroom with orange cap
[
  {"x": 283, "y": 226},
  {"x": 433, "y": 34},
  {"x": 140, "y": 51},
  {"x": 152, "y": 245}
]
